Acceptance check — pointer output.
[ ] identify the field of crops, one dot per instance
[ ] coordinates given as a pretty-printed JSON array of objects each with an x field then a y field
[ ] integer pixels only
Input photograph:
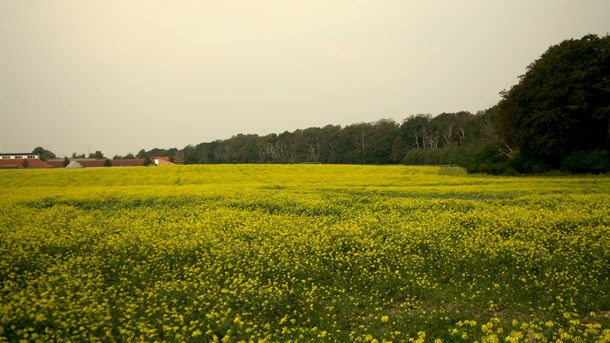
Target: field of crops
[{"x": 304, "y": 253}]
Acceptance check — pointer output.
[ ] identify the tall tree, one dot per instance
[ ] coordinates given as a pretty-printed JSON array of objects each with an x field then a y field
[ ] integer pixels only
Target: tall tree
[
  {"x": 147, "y": 161},
  {"x": 43, "y": 153},
  {"x": 97, "y": 155},
  {"x": 380, "y": 141},
  {"x": 415, "y": 130},
  {"x": 562, "y": 103},
  {"x": 141, "y": 154}
]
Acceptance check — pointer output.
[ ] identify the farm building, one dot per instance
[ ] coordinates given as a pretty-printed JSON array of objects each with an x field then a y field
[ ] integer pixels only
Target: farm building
[
  {"x": 163, "y": 161},
  {"x": 29, "y": 160},
  {"x": 22, "y": 160}
]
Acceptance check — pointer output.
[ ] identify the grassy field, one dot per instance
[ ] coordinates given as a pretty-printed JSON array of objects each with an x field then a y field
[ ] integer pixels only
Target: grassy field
[{"x": 304, "y": 253}]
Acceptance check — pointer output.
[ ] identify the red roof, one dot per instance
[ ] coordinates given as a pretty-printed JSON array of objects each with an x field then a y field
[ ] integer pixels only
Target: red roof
[
  {"x": 55, "y": 163},
  {"x": 18, "y": 163},
  {"x": 131, "y": 162}
]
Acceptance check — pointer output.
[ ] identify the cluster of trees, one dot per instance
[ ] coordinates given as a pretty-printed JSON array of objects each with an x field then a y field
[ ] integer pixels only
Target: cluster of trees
[
  {"x": 98, "y": 155},
  {"x": 44, "y": 154},
  {"x": 556, "y": 118},
  {"x": 558, "y": 115},
  {"x": 417, "y": 140}
]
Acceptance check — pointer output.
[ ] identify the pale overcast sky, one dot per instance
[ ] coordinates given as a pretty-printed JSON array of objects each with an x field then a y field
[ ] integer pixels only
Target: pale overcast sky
[{"x": 121, "y": 75}]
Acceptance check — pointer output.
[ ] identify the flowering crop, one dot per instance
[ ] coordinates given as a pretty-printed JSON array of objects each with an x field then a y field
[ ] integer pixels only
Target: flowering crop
[{"x": 302, "y": 253}]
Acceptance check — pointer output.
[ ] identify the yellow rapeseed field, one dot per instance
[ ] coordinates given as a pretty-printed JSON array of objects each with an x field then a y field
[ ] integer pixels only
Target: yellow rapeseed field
[{"x": 268, "y": 253}]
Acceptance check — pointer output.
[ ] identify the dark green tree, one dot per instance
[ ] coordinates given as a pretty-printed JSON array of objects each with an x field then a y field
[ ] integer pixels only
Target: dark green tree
[
  {"x": 147, "y": 161},
  {"x": 381, "y": 138},
  {"x": 98, "y": 155},
  {"x": 190, "y": 154},
  {"x": 43, "y": 153},
  {"x": 560, "y": 106},
  {"x": 329, "y": 143},
  {"x": 39, "y": 150}
]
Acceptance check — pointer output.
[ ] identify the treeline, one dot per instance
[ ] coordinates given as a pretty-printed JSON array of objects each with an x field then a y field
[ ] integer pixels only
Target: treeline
[
  {"x": 420, "y": 139},
  {"x": 448, "y": 138}
]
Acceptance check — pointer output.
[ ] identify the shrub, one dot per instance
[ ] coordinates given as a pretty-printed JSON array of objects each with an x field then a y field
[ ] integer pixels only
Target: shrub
[{"x": 596, "y": 161}]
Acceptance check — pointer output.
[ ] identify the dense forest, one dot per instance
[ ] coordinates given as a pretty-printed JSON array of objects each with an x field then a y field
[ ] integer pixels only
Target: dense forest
[
  {"x": 420, "y": 139},
  {"x": 556, "y": 118}
]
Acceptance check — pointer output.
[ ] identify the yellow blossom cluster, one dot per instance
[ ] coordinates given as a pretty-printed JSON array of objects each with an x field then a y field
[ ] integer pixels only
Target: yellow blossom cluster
[{"x": 266, "y": 253}]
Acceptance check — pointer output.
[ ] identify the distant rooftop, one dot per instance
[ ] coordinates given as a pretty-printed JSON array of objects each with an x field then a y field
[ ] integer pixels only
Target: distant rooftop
[{"x": 18, "y": 155}]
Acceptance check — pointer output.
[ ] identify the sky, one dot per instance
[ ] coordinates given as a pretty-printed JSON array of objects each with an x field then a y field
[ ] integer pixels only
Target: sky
[{"x": 123, "y": 75}]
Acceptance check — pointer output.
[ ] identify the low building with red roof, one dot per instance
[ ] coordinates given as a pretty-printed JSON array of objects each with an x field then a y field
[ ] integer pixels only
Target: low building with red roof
[
  {"x": 129, "y": 162},
  {"x": 57, "y": 163},
  {"x": 22, "y": 160},
  {"x": 163, "y": 161}
]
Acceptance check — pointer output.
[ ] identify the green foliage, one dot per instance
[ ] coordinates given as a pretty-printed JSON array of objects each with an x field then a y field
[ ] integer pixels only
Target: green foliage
[
  {"x": 487, "y": 160},
  {"x": 97, "y": 155},
  {"x": 596, "y": 161},
  {"x": 43, "y": 153},
  {"x": 450, "y": 155},
  {"x": 141, "y": 154},
  {"x": 147, "y": 161},
  {"x": 445, "y": 139},
  {"x": 561, "y": 105}
]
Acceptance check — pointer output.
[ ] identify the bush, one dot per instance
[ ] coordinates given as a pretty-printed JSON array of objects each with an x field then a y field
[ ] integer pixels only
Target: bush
[
  {"x": 488, "y": 161},
  {"x": 596, "y": 161},
  {"x": 450, "y": 155}
]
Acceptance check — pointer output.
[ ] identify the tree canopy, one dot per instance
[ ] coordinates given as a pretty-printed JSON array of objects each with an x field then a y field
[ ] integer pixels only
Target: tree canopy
[
  {"x": 561, "y": 106},
  {"x": 43, "y": 153},
  {"x": 97, "y": 155}
]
